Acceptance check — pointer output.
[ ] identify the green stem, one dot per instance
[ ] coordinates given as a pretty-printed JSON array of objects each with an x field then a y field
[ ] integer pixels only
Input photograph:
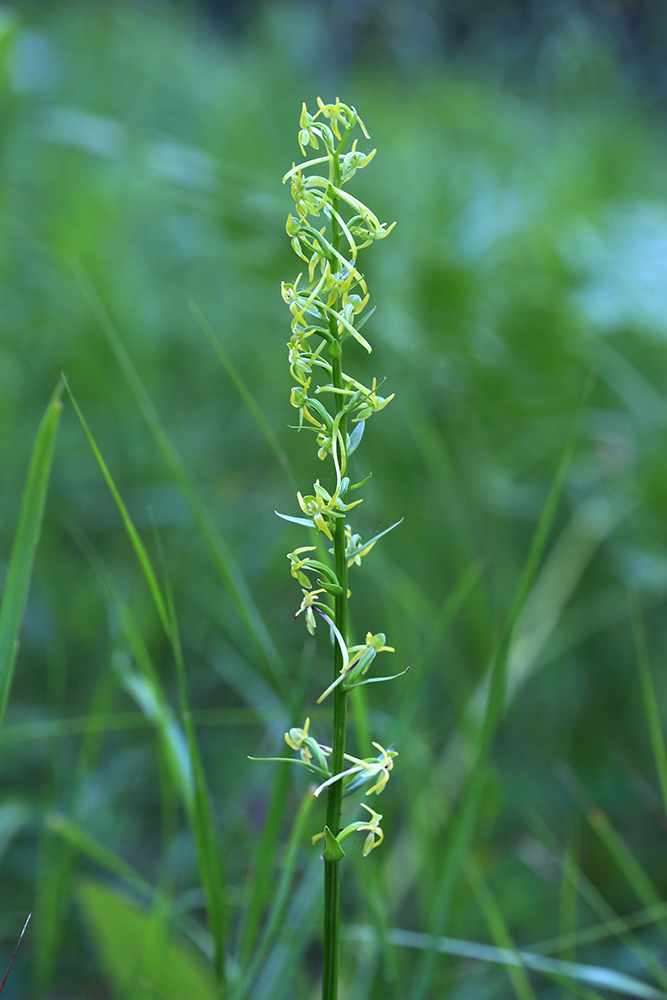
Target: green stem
[{"x": 335, "y": 794}]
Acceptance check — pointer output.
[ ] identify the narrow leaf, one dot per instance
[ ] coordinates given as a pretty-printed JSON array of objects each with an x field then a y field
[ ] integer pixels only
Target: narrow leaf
[
  {"x": 306, "y": 522},
  {"x": 123, "y": 934},
  {"x": 132, "y": 533},
  {"x": 245, "y": 394},
  {"x": 594, "y": 975},
  {"x": 218, "y": 548},
  {"x": 376, "y": 680},
  {"x": 650, "y": 700},
  {"x": 363, "y": 547},
  {"x": 25, "y": 544}
]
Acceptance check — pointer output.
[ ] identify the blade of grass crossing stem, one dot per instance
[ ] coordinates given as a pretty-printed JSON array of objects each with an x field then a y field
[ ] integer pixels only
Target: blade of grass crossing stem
[
  {"x": 498, "y": 928},
  {"x": 282, "y": 894},
  {"x": 650, "y": 700},
  {"x": 594, "y": 975},
  {"x": 260, "y": 880},
  {"x": 133, "y": 535},
  {"x": 254, "y": 410},
  {"x": 216, "y": 544},
  {"x": 600, "y": 932},
  {"x": 22, "y": 557},
  {"x": 201, "y": 818},
  {"x": 463, "y": 826}
]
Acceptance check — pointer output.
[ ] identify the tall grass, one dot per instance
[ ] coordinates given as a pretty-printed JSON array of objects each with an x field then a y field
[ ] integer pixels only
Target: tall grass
[{"x": 139, "y": 164}]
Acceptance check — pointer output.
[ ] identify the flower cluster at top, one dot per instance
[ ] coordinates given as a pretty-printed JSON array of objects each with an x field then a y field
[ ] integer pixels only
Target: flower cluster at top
[
  {"x": 328, "y": 308},
  {"x": 326, "y": 311},
  {"x": 328, "y": 228}
]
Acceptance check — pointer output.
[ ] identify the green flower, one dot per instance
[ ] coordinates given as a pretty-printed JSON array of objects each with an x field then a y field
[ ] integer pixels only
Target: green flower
[
  {"x": 374, "y": 830},
  {"x": 373, "y": 826},
  {"x": 307, "y": 134},
  {"x": 338, "y": 112},
  {"x": 374, "y": 642},
  {"x": 364, "y": 771},
  {"x": 322, "y": 505},
  {"x": 307, "y": 606},
  {"x": 372, "y": 403},
  {"x": 297, "y": 563},
  {"x": 297, "y": 740}
]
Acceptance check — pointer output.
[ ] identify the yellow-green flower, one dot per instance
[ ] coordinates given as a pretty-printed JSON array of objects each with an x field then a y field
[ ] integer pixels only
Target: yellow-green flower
[
  {"x": 364, "y": 770},
  {"x": 297, "y": 563},
  {"x": 307, "y": 606},
  {"x": 373, "y": 826},
  {"x": 296, "y": 738}
]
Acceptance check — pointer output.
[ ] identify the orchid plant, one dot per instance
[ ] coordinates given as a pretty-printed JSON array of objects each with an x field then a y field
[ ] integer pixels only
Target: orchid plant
[{"x": 329, "y": 228}]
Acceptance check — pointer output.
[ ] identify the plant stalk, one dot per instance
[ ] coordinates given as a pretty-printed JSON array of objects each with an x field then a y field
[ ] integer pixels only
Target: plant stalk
[
  {"x": 335, "y": 792},
  {"x": 335, "y": 795}
]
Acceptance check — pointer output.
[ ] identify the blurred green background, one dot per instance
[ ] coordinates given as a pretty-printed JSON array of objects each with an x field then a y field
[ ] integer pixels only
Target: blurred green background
[{"x": 521, "y": 149}]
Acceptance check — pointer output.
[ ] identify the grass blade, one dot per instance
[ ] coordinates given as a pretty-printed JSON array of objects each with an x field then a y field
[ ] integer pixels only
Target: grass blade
[
  {"x": 255, "y": 412},
  {"x": 201, "y": 818},
  {"x": 650, "y": 699},
  {"x": 593, "y": 975},
  {"x": 281, "y": 897},
  {"x": 260, "y": 883},
  {"x": 219, "y": 550},
  {"x": 180, "y": 748},
  {"x": 613, "y": 925},
  {"x": 495, "y": 921},
  {"x": 25, "y": 544},
  {"x": 132, "y": 533},
  {"x": 463, "y": 826}
]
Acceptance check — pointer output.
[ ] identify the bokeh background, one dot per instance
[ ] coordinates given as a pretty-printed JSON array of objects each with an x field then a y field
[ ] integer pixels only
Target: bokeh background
[{"x": 521, "y": 150}]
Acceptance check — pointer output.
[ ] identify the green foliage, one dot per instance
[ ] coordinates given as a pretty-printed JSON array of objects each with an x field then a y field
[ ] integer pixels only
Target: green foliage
[
  {"x": 138, "y": 204},
  {"x": 136, "y": 951},
  {"x": 19, "y": 571}
]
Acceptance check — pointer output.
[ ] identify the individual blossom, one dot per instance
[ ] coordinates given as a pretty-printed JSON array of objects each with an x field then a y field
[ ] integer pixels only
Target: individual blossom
[
  {"x": 372, "y": 825},
  {"x": 297, "y": 562},
  {"x": 300, "y": 400},
  {"x": 308, "y": 747},
  {"x": 352, "y": 161},
  {"x": 297, "y": 739},
  {"x": 307, "y": 606},
  {"x": 372, "y": 403},
  {"x": 322, "y": 505},
  {"x": 308, "y": 135},
  {"x": 338, "y": 113},
  {"x": 357, "y": 661},
  {"x": 364, "y": 771}
]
